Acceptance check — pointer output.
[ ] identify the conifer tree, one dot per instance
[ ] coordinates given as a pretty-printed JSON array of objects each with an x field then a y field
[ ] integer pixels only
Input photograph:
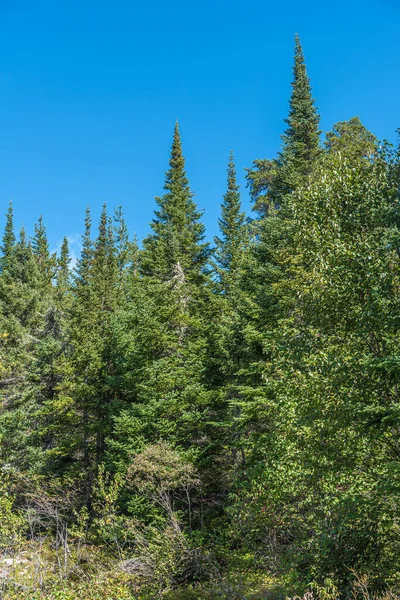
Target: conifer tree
[
  {"x": 46, "y": 262},
  {"x": 20, "y": 293},
  {"x": 271, "y": 180},
  {"x": 63, "y": 269},
  {"x": 272, "y": 185},
  {"x": 122, "y": 244},
  {"x": 104, "y": 264},
  {"x": 95, "y": 301},
  {"x": 8, "y": 245},
  {"x": 21, "y": 317},
  {"x": 301, "y": 140},
  {"x": 177, "y": 242},
  {"x": 231, "y": 245},
  {"x": 84, "y": 264}
]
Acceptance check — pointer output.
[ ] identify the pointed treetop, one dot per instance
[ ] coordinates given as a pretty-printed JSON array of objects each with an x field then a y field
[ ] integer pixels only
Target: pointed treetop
[
  {"x": 83, "y": 267},
  {"x": 22, "y": 238},
  {"x": 40, "y": 244},
  {"x": 63, "y": 268},
  {"x": 102, "y": 227},
  {"x": 176, "y": 174},
  {"x": 47, "y": 263},
  {"x": 230, "y": 246},
  {"x": 271, "y": 180},
  {"x": 178, "y": 233},
  {"x": 104, "y": 263},
  {"x": 64, "y": 259},
  {"x": 301, "y": 140},
  {"x": 8, "y": 245},
  {"x": 122, "y": 243}
]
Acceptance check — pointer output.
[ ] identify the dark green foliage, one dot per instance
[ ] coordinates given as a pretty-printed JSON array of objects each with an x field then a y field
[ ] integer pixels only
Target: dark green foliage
[
  {"x": 8, "y": 245},
  {"x": 301, "y": 143},
  {"x": 177, "y": 242},
  {"x": 271, "y": 180},
  {"x": 231, "y": 246},
  {"x": 63, "y": 276}
]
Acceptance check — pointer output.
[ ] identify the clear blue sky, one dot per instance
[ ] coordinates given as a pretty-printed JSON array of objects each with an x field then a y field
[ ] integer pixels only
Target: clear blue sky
[{"x": 90, "y": 91}]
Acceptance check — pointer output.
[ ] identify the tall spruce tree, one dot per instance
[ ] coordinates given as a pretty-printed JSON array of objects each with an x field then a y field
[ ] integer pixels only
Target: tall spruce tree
[
  {"x": 122, "y": 244},
  {"x": 301, "y": 140},
  {"x": 271, "y": 180},
  {"x": 83, "y": 268},
  {"x": 162, "y": 347},
  {"x": 230, "y": 246},
  {"x": 63, "y": 269},
  {"x": 267, "y": 274},
  {"x": 104, "y": 266},
  {"x": 8, "y": 244},
  {"x": 21, "y": 317},
  {"x": 176, "y": 245},
  {"x": 46, "y": 261}
]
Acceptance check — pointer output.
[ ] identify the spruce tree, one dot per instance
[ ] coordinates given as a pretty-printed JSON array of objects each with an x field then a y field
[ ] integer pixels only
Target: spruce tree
[
  {"x": 20, "y": 291},
  {"x": 104, "y": 264},
  {"x": 83, "y": 268},
  {"x": 271, "y": 180},
  {"x": 8, "y": 245},
  {"x": 176, "y": 245},
  {"x": 231, "y": 245},
  {"x": 301, "y": 140},
  {"x": 272, "y": 185},
  {"x": 21, "y": 317},
  {"x": 63, "y": 269},
  {"x": 95, "y": 291},
  {"x": 40, "y": 244},
  {"x": 46, "y": 262},
  {"x": 122, "y": 244}
]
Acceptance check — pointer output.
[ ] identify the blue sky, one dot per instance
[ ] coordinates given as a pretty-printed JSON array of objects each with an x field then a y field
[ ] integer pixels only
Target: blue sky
[{"x": 90, "y": 91}]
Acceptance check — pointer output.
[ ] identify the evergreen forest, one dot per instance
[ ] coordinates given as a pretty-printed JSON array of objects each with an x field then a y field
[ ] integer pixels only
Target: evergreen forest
[{"x": 188, "y": 420}]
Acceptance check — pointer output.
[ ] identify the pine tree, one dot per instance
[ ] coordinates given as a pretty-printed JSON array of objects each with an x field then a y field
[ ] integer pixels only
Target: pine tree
[
  {"x": 177, "y": 244},
  {"x": 8, "y": 245},
  {"x": 231, "y": 245}
]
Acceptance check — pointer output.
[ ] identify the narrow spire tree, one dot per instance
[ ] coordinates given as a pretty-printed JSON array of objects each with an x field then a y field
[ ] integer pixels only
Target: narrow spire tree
[
  {"x": 271, "y": 180},
  {"x": 8, "y": 245},
  {"x": 84, "y": 265},
  {"x": 104, "y": 264},
  {"x": 301, "y": 140},
  {"x": 177, "y": 241},
  {"x": 40, "y": 244},
  {"x": 40, "y": 247},
  {"x": 122, "y": 245},
  {"x": 63, "y": 268},
  {"x": 231, "y": 244}
]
